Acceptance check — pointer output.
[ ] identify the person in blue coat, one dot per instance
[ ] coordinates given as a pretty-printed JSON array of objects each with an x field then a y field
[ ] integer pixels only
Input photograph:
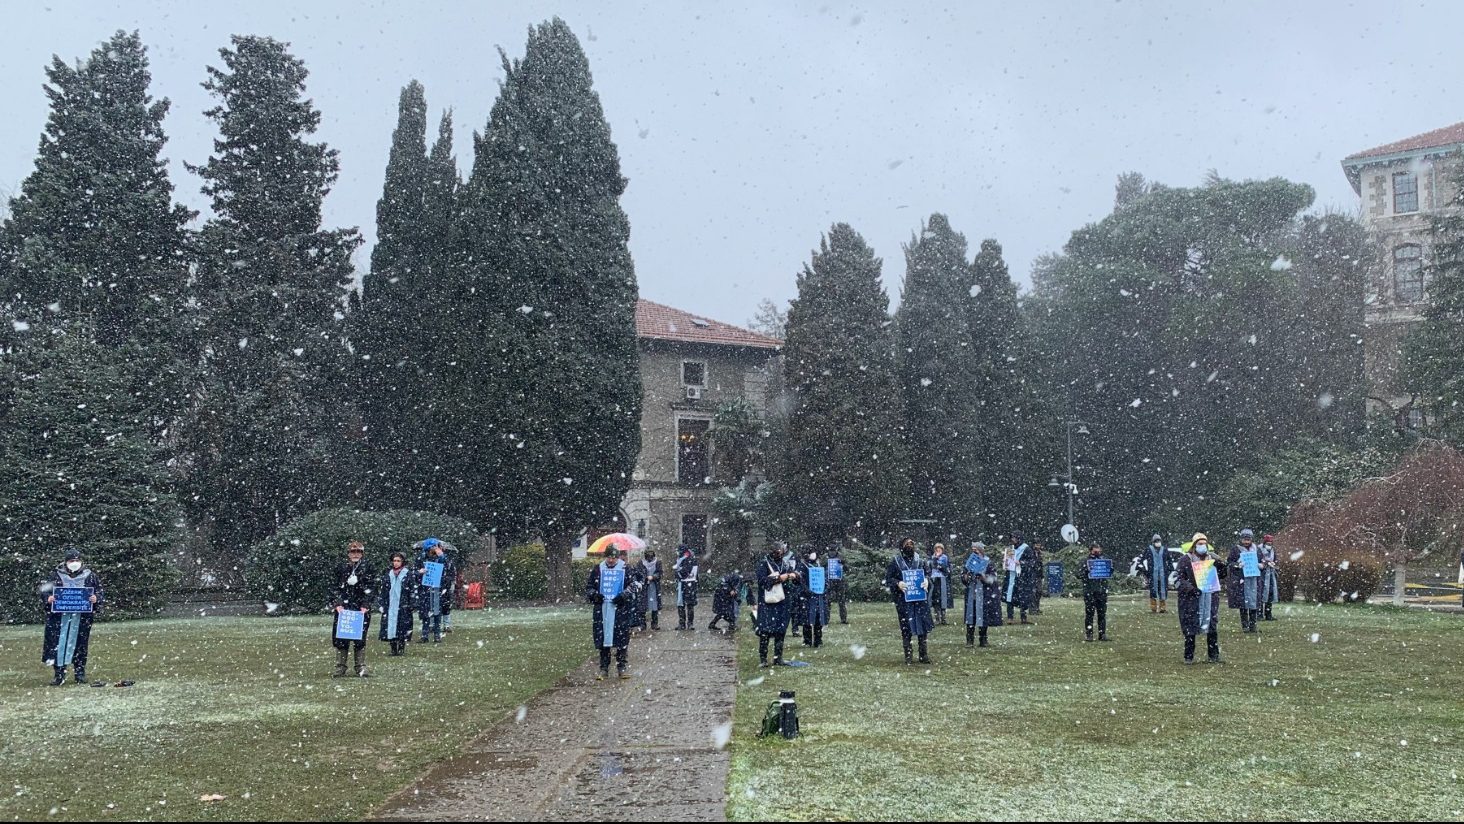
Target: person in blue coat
[
  {"x": 67, "y": 639},
  {"x": 612, "y": 616},
  {"x": 941, "y": 597},
  {"x": 650, "y": 597},
  {"x": 815, "y": 605},
  {"x": 1155, "y": 564},
  {"x": 774, "y": 574},
  {"x": 915, "y": 619},
  {"x": 396, "y": 598},
  {"x": 983, "y": 594},
  {"x": 687, "y": 570}
]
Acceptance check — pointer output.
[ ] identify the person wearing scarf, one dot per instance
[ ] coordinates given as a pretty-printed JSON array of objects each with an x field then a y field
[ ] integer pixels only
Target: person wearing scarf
[
  {"x": 353, "y": 591},
  {"x": 774, "y": 575},
  {"x": 686, "y": 570},
  {"x": 432, "y": 602},
  {"x": 1197, "y": 579},
  {"x": 1270, "y": 586},
  {"x": 67, "y": 638},
  {"x": 838, "y": 584},
  {"x": 1018, "y": 581},
  {"x": 1036, "y": 580},
  {"x": 650, "y": 594},
  {"x": 611, "y": 616},
  {"x": 1095, "y": 596},
  {"x": 396, "y": 595},
  {"x": 915, "y": 619},
  {"x": 1244, "y": 592},
  {"x": 940, "y": 583},
  {"x": 1155, "y": 566},
  {"x": 815, "y": 605},
  {"x": 983, "y": 595},
  {"x": 724, "y": 601}
]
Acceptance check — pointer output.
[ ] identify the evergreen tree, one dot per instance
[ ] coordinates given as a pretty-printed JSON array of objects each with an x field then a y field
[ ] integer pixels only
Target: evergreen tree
[
  {"x": 843, "y": 471},
  {"x": 939, "y": 366},
  {"x": 267, "y": 412},
  {"x": 77, "y": 467},
  {"x": 1434, "y": 360},
  {"x": 539, "y": 406}
]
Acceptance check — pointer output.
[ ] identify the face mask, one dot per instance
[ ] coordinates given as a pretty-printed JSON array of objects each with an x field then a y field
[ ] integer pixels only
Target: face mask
[
  {"x": 74, "y": 566},
  {"x": 813, "y": 556},
  {"x": 1202, "y": 549}
]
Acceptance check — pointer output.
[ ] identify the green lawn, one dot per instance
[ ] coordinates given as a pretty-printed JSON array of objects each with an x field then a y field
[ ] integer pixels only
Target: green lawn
[
  {"x": 246, "y": 708},
  {"x": 1333, "y": 713}
]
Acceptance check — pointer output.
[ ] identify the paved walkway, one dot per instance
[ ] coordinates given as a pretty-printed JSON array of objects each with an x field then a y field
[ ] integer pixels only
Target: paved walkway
[{"x": 637, "y": 750}]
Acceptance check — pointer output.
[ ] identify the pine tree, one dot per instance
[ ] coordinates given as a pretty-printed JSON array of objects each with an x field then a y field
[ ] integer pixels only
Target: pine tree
[
  {"x": 77, "y": 467},
  {"x": 844, "y": 467},
  {"x": 267, "y": 414},
  {"x": 938, "y": 368},
  {"x": 546, "y": 336}
]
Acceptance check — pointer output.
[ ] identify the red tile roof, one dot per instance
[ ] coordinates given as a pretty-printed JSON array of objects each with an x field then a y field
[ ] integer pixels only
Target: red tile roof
[
  {"x": 654, "y": 321},
  {"x": 1438, "y": 138}
]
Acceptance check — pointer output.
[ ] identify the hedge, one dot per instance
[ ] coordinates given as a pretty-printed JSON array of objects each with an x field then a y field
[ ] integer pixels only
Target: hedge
[{"x": 295, "y": 567}]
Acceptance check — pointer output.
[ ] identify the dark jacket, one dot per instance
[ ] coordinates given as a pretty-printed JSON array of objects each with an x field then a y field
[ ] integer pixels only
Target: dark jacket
[
  {"x": 724, "y": 600},
  {"x": 624, "y": 609},
  {"x": 403, "y": 629},
  {"x": 772, "y": 619},
  {"x": 813, "y": 608},
  {"x": 51, "y": 638},
  {"x": 1190, "y": 595},
  {"x": 358, "y": 596},
  {"x": 915, "y": 617},
  {"x": 1235, "y": 580},
  {"x": 1091, "y": 586}
]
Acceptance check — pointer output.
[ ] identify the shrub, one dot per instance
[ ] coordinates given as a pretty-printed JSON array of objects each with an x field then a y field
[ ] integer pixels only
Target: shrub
[
  {"x": 295, "y": 567},
  {"x": 521, "y": 573}
]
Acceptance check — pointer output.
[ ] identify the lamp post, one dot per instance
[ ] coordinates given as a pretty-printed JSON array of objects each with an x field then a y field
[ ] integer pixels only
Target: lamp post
[{"x": 1067, "y": 481}]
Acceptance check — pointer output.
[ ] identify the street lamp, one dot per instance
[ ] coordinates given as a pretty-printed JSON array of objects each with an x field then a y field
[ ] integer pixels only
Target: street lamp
[{"x": 1066, "y": 481}]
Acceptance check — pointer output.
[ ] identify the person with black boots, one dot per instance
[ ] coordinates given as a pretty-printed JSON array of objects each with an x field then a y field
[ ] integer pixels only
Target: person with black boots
[
  {"x": 1022, "y": 572},
  {"x": 1270, "y": 584},
  {"x": 1198, "y": 580},
  {"x": 908, "y": 580},
  {"x": 354, "y": 590},
  {"x": 1095, "y": 572},
  {"x": 775, "y": 572},
  {"x": 838, "y": 584},
  {"x": 1037, "y": 562},
  {"x": 66, "y": 641},
  {"x": 396, "y": 597},
  {"x": 815, "y": 597},
  {"x": 650, "y": 596},
  {"x": 983, "y": 594},
  {"x": 686, "y": 570},
  {"x": 609, "y": 588},
  {"x": 431, "y": 600},
  {"x": 1243, "y": 583},
  {"x": 941, "y": 597},
  {"x": 724, "y": 601}
]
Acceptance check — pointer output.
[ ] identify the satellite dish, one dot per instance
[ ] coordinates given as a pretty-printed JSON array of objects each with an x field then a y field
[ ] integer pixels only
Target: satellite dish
[{"x": 1070, "y": 533}]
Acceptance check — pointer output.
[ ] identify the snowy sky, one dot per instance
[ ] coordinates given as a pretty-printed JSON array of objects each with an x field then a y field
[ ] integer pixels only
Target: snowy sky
[{"x": 746, "y": 129}]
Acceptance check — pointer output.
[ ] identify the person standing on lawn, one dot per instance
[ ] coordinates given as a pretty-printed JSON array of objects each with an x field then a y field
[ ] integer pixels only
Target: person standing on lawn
[
  {"x": 1198, "y": 580},
  {"x": 815, "y": 598},
  {"x": 612, "y": 613},
  {"x": 940, "y": 583},
  {"x": 67, "y": 638},
  {"x": 1021, "y": 572},
  {"x": 983, "y": 594},
  {"x": 650, "y": 595},
  {"x": 1095, "y": 573},
  {"x": 686, "y": 570},
  {"x": 354, "y": 584},
  {"x": 432, "y": 598},
  {"x": 908, "y": 580},
  {"x": 396, "y": 597},
  {"x": 838, "y": 583},
  {"x": 1155, "y": 566},
  {"x": 1270, "y": 585},
  {"x": 1039, "y": 575},
  {"x": 1243, "y": 592},
  {"x": 725, "y": 600},
  {"x": 775, "y": 572}
]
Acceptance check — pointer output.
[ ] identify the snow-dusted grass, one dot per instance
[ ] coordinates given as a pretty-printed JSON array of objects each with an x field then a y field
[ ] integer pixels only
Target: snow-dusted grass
[
  {"x": 246, "y": 708},
  {"x": 1045, "y": 726}
]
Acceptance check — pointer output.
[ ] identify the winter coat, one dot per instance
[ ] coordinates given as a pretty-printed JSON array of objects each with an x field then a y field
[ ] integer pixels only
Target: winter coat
[
  {"x": 772, "y": 619},
  {"x": 941, "y": 594},
  {"x": 724, "y": 599},
  {"x": 439, "y": 598},
  {"x": 406, "y": 602},
  {"x": 983, "y": 598},
  {"x": 915, "y": 618},
  {"x": 813, "y": 608},
  {"x": 651, "y": 576},
  {"x": 1155, "y": 566},
  {"x": 1091, "y": 586},
  {"x": 51, "y": 637},
  {"x": 1022, "y": 584},
  {"x": 686, "y": 570},
  {"x": 624, "y": 610},
  {"x": 1190, "y": 595},
  {"x": 358, "y": 596},
  {"x": 1235, "y": 581}
]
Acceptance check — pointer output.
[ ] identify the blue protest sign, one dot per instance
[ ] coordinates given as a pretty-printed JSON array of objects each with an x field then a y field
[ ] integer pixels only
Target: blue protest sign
[
  {"x": 976, "y": 565},
  {"x": 1100, "y": 568},
  {"x": 612, "y": 581},
  {"x": 350, "y": 625},
  {"x": 1250, "y": 563},
  {"x": 432, "y": 578},
  {"x": 1054, "y": 578},
  {"x": 816, "y": 580},
  {"x": 72, "y": 599},
  {"x": 836, "y": 569},
  {"x": 915, "y": 585}
]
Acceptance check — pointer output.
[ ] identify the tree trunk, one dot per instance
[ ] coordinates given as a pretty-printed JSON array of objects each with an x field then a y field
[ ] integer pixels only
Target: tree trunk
[
  {"x": 558, "y": 553},
  {"x": 1400, "y": 582}
]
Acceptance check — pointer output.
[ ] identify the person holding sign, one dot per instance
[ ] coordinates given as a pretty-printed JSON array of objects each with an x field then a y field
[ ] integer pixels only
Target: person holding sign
[
  {"x": 433, "y": 577},
  {"x": 353, "y": 594},
  {"x": 72, "y": 596},
  {"x": 941, "y": 598},
  {"x": 838, "y": 586},
  {"x": 609, "y": 588},
  {"x": 815, "y": 599},
  {"x": 397, "y": 595},
  {"x": 1023, "y": 575},
  {"x": 1243, "y": 586},
  {"x": 686, "y": 570},
  {"x": 775, "y": 574},
  {"x": 724, "y": 601},
  {"x": 983, "y": 595},
  {"x": 908, "y": 580},
  {"x": 1197, "y": 580},
  {"x": 1270, "y": 585},
  {"x": 1095, "y": 573}
]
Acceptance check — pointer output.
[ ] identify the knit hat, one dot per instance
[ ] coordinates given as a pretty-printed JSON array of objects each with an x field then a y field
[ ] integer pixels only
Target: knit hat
[
  {"x": 1199, "y": 536},
  {"x": 73, "y": 554},
  {"x": 1156, "y": 537},
  {"x": 1248, "y": 533}
]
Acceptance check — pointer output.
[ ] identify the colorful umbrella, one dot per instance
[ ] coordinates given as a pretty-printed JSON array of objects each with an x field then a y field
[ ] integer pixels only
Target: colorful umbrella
[{"x": 623, "y": 541}]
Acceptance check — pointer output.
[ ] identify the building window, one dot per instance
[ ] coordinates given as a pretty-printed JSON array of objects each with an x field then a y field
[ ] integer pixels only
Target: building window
[
  {"x": 693, "y": 373},
  {"x": 1405, "y": 193},
  {"x": 694, "y": 533},
  {"x": 1408, "y": 274},
  {"x": 692, "y": 462}
]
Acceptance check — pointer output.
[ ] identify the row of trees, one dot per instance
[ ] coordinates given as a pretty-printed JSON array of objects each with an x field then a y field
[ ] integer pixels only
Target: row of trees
[{"x": 219, "y": 381}]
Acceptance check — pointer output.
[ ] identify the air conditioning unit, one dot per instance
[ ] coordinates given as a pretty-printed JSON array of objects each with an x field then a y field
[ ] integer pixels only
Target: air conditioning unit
[{"x": 693, "y": 393}]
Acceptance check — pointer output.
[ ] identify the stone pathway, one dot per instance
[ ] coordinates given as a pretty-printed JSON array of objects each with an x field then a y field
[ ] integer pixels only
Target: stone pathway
[{"x": 637, "y": 750}]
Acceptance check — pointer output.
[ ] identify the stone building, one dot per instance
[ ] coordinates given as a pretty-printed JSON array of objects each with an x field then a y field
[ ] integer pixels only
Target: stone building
[
  {"x": 690, "y": 365},
  {"x": 1403, "y": 186}
]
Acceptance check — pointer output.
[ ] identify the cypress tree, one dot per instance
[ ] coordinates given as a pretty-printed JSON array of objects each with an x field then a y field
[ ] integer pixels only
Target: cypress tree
[
  {"x": 1433, "y": 360},
  {"x": 844, "y": 468}
]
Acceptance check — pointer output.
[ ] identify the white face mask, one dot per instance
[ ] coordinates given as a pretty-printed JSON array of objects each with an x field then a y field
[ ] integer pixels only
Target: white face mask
[
  {"x": 1203, "y": 549},
  {"x": 74, "y": 566}
]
